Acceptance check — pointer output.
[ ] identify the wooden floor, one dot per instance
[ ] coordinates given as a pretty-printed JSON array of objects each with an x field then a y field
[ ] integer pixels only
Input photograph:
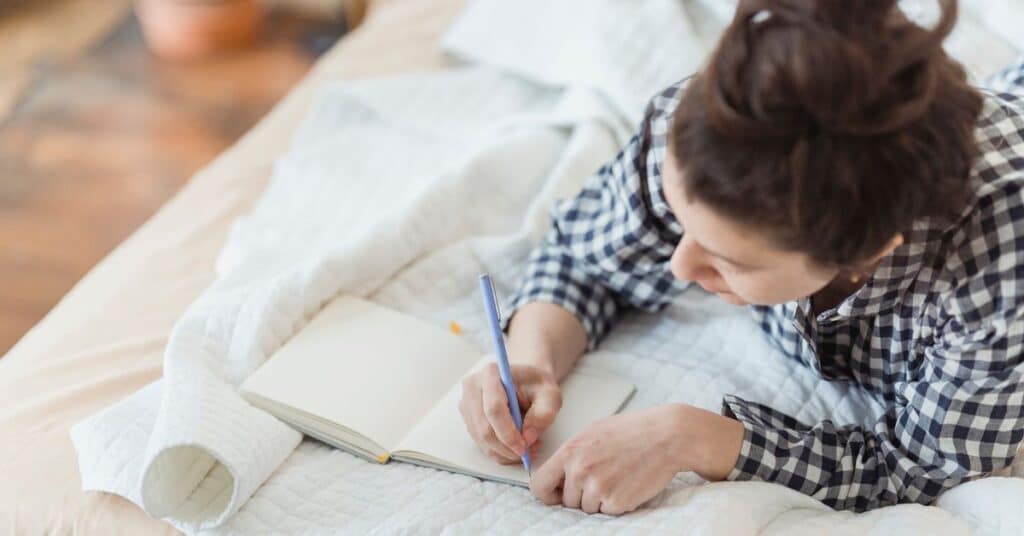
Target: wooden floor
[{"x": 93, "y": 146}]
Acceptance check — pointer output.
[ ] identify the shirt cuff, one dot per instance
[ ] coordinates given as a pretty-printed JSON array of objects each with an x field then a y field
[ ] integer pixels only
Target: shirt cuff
[
  {"x": 596, "y": 322},
  {"x": 763, "y": 453}
]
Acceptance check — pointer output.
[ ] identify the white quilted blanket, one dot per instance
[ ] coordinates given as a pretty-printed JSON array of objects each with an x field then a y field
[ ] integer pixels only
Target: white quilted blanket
[{"x": 402, "y": 190}]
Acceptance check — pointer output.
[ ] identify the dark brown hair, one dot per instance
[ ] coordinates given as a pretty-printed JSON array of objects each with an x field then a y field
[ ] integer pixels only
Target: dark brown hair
[{"x": 832, "y": 124}]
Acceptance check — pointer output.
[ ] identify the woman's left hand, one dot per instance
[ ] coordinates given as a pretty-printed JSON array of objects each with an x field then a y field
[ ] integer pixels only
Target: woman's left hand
[
  {"x": 615, "y": 464},
  {"x": 618, "y": 463}
]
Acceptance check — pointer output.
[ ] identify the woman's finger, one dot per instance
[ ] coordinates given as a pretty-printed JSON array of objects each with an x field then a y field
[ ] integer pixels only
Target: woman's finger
[
  {"x": 501, "y": 458},
  {"x": 591, "y": 502},
  {"x": 496, "y": 410},
  {"x": 477, "y": 424},
  {"x": 543, "y": 410},
  {"x": 488, "y": 438},
  {"x": 535, "y": 449},
  {"x": 572, "y": 493},
  {"x": 546, "y": 481}
]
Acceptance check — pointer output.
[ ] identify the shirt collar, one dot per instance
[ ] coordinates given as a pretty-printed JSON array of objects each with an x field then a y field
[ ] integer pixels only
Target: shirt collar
[
  {"x": 891, "y": 278},
  {"x": 659, "y": 204}
]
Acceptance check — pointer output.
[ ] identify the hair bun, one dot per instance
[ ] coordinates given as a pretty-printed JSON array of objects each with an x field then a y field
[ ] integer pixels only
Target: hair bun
[{"x": 846, "y": 67}]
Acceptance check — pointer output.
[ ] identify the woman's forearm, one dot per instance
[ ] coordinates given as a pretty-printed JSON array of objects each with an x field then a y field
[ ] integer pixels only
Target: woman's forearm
[{"x": 546, "y": 336}]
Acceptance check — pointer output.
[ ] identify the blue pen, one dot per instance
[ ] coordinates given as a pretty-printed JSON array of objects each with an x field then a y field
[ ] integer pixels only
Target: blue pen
[{"x": 494, "y": 319}]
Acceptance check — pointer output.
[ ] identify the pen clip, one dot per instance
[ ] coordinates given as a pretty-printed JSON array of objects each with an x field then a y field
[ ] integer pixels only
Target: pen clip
[{"x": 494, "y": 295}]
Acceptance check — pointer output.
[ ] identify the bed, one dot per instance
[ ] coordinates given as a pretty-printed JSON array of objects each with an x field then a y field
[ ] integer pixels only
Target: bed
[{"x": 107, "y": 338}]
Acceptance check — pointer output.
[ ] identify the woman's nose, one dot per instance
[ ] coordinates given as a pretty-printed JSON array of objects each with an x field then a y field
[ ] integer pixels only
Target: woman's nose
[{"x": 686, "y": 262}]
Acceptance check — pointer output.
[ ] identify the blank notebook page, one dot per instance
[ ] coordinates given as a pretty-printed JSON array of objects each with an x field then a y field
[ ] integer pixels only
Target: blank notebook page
[{"x": 366, "y": 367}]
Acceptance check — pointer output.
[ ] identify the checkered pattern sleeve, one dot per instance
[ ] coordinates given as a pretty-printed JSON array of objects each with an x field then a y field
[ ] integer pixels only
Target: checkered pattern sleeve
[
  {"x": 961, "y": 415},
  {"x": 965, "y": 419},
  {"x": 607, "y": 248}
]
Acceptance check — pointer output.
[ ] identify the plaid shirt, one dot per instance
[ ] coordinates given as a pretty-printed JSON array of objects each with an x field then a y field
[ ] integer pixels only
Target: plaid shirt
[{"x": 935, "y": 331}]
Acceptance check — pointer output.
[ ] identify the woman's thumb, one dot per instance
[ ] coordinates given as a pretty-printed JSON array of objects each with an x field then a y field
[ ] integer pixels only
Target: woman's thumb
[{"x": 541, "y": 414}]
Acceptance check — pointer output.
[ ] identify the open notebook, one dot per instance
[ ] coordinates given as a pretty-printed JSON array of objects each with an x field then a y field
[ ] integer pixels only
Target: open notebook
[{"x": 385, "y": 385}]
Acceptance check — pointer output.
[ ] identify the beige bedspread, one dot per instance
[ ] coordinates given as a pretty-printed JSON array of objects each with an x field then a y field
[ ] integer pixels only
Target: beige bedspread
[{"x": 106, "y": 338}]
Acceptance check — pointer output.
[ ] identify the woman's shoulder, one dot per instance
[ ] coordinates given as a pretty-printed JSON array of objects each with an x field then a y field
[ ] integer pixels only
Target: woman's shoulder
[
  {"x": 998, "y": 172},
  {"x": 1000, "y": 138},
  {"x": 981, "y": 266},
  {"x": 661, "y": 107}
]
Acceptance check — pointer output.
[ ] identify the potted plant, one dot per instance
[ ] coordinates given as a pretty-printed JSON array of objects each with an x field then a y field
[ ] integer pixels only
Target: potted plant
[{"x": 187, "y": 29}]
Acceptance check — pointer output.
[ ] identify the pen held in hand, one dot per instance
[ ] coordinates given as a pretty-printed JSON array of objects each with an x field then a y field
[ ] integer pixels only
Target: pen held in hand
[{"x": 501, "y": 355}]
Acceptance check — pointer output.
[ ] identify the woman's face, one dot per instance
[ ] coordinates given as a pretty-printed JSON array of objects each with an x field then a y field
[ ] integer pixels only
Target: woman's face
[{"x": 732, "y": 260}]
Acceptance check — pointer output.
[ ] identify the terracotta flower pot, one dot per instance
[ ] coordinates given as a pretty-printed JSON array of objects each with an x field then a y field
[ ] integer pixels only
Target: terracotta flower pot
[{"x": 188, "y": 29}]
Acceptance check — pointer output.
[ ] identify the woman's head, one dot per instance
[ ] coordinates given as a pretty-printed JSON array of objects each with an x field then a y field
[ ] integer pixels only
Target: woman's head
[{"x": 817, "y": 133}]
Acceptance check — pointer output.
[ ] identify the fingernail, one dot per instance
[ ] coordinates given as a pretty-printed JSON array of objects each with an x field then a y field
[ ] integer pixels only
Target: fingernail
[{"x": 529, "y": 435}]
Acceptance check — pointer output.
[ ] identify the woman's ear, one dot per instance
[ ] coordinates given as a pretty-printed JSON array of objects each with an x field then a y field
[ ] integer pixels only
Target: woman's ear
[
  {"x": 894, "y": 242},
  {"x": 865, "y": 268}
]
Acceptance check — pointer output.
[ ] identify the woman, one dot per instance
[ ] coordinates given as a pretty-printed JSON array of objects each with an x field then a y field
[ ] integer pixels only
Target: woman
[{"x": 834, "y": 172}]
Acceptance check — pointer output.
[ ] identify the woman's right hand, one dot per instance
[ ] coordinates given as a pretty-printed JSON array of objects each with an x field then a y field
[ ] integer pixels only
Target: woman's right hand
[{"x": 484, "y": 408}]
